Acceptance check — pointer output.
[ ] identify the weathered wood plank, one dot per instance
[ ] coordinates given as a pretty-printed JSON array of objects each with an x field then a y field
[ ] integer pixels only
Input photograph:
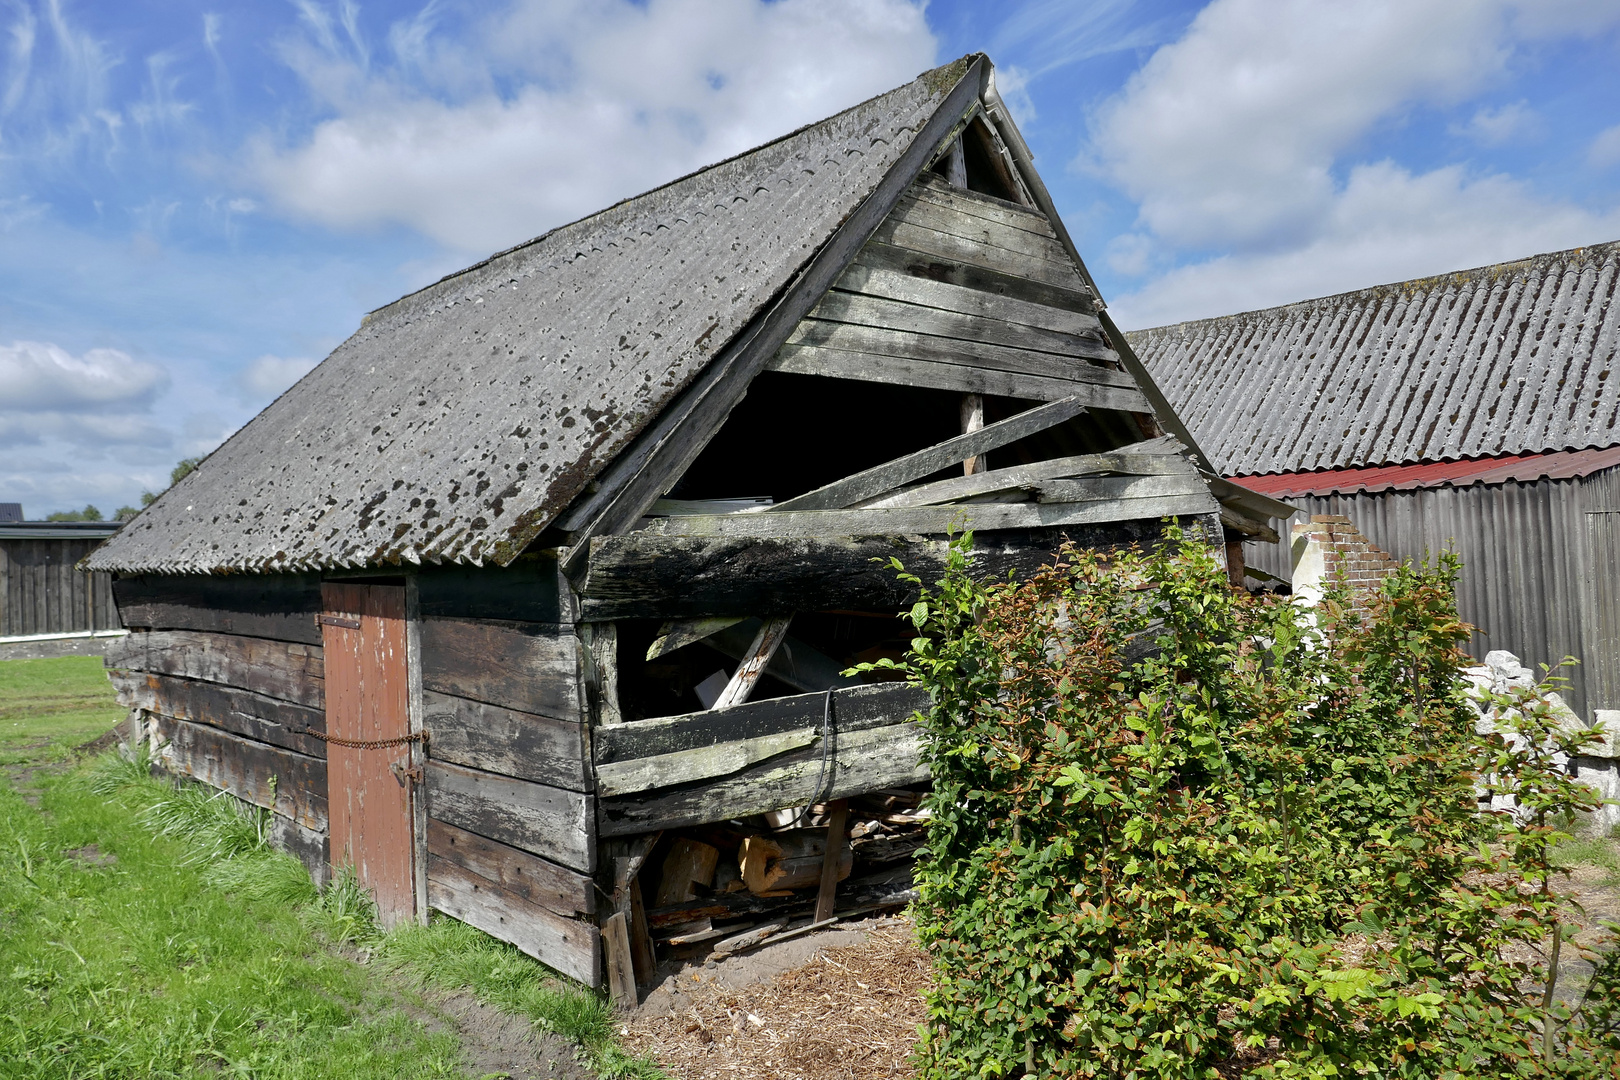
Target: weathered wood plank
[
  {"x": 1115, "y": 505},
  {"x": 306, "y": 845},
  {"x": 641, "y": 576},
  {"x": 974, "y": 204},
  {"x": 902, "y": 470},
  {"x": 571, "y": 946},
  {"x": 293, "y": 785},
  {"x": 525, "y": 591},
  {"x": 701, "y": 763},
  {"x": 240, "y": 712},
  {"x": 941, "y": 375},
  {"x": 907, "y": 343},
  {"x": 930, "y": 241},
  {"x": 531, "y": 667},
  {"x": 874, "y": 281},
  {"x": 1097, "y": 488},
  {"x": 536, "y": 880},
  {"x": 1028, "y": 476},
  {"x": 919, "y": 264},
  {"x": 974, "y": 329},
  {"x": 858, "y": 761},
  {"x": 800, "y": 666},
  {"x": 982, "y": 231},
  {"x": 546, "y": 821},
  {"x": 492, "y": 739},
  {"x": 278, "y": 606},
  {"x": 752, "y": 665},
  {"x": 854, "y": 709},
  {"x": 291, "y": 671}
]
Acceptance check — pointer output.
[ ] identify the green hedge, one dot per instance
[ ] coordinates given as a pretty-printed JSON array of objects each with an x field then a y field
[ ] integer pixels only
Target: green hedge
[{"x": 1179, "y": 831}]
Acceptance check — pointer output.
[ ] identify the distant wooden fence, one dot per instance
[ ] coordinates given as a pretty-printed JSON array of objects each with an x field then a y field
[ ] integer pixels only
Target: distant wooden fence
[{"x": 40, "y": 591}]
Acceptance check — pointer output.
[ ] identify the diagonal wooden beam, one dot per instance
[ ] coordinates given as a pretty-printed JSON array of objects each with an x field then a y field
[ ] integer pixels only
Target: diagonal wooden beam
[
  {"x": 753, "y": 665},
  {"x": 892, "y": 474}
]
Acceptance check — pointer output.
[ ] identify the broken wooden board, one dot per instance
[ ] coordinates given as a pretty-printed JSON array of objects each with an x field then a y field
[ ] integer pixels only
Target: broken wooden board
[
  {"x": 292, "y": 785},
  {"x": 537, "y": 880},
  {"x": 698, "y": 763},
  {"x": 532, "y": 667},
  {"x": 937, "y": 520},
  {"x": 571, "y": 946},
  {"x": 854, "y": 709},
  {"x": 487, "y": 737},
  {"x": 290, "y": 671},
  {"x": 546, "y": 821},
  {"x": 240, "y": 712},
  {"x": 1028, "y": 477},
  {"x": 890, "y": 475},
  {"x": 858, "y": 761}
]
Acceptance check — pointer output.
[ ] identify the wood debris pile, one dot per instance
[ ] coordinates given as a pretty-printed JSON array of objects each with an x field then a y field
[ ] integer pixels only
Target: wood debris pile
[{"x": 849, "y": 1014}]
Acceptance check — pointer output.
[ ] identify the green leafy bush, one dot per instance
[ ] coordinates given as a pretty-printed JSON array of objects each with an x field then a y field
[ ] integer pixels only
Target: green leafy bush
[{"x": 1180, "y": 831}]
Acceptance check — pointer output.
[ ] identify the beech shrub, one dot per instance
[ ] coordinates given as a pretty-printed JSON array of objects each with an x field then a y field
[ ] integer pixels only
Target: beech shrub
[{"x": 1183, "y": 831}]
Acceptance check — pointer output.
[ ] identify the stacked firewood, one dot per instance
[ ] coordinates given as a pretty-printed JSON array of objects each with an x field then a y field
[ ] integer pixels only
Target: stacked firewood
[{"x": 728, "y": 888}]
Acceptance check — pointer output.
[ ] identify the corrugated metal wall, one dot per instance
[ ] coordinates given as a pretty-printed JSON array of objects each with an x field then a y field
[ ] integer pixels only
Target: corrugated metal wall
[
  {"x": 1541, "y": 565},
  {"x": 41, "y": 592}
]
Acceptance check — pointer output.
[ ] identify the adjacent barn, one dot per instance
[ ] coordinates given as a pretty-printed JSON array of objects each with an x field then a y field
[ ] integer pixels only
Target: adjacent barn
[
  {"x": 48, "y": 606},
  {"x": 532, "y": 602},
  {"x": 1475, "y": 411}
]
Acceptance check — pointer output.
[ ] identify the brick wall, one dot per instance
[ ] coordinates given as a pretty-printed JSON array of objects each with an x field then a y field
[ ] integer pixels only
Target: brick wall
[{"x": 1328, "y": 546}]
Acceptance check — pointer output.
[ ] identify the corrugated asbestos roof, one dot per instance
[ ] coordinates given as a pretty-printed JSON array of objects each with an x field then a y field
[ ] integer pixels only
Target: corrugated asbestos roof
[
  {"x": 1514, "y": 358},
  {"x": 1498, "y": 470},
  {"x": 459, "y": 421}
]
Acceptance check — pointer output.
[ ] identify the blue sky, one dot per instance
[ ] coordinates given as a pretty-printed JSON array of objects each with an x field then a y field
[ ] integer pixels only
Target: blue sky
[{"x": 199, "y": 200}]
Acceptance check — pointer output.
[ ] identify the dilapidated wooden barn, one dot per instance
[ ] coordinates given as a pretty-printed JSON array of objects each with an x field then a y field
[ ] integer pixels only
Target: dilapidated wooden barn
[{"x": 532, "y": 600}]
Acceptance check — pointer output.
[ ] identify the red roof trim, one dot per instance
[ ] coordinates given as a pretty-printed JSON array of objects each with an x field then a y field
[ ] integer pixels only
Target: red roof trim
[{"x": 1560, "y": 465}]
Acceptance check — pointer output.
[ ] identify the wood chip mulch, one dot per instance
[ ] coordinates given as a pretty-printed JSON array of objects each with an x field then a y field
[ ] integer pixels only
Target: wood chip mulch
[{"x": 849, "y": 1014}]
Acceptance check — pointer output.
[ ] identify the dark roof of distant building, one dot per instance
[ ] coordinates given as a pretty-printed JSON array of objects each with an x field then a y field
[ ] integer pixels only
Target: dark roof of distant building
[
  {"x": 1515, "y": 358},
  {"x": 58, "y": 530}
]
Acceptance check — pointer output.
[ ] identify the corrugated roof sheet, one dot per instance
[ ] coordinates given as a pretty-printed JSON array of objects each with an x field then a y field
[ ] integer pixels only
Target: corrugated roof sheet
[
  {"x": 1497, "y": 470},
  {"x": 1514, "y": 358},
  {"x": 459, "y": 421}
]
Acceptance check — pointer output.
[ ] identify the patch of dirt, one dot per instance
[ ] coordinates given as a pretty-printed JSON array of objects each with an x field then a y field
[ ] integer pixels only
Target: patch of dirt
[
  {"x": 91, "y": 855},
  {"x": 495, "y": 1045},
  {"x": 845, "y": 1008},
  {"x": 107, "y": 740}
]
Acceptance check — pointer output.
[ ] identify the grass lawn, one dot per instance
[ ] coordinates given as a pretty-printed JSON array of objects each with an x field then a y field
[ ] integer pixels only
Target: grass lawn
[
  {"x": 47, "y": 707},
  {"x": 149, "y": 932}
]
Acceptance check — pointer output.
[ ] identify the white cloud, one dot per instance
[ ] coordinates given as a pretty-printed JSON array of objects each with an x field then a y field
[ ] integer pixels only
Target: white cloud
[
  {"x": 1605, "y": 149},
  {"x": 35, "y": 375},
  {"x": 266, "y": 377},
  {"x": 1502, "y": 125},
  {"x": 547, "y": 117},
  {"x": 1241, "y": 138},
  {"x": 1388, "y": 225}
]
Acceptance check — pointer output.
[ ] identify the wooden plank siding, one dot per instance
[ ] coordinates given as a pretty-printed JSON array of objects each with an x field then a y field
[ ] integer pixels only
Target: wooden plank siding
[
  {"x": 289, "y": 671},
  {"x": 701, "y": 778},
  {"x": 291, "y": 784},
  {"x": 959, "y": 291},
  {"x": 531, "y": 667},
  {"x": 41, "y": 592}
]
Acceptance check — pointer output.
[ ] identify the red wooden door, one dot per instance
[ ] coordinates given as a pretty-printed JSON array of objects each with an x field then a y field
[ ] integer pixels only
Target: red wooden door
[{"x": 369, "y": 790}]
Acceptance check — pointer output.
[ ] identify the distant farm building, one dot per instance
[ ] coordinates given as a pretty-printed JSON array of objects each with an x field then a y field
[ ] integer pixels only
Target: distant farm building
[
  {"x": 48, "y": 606},
  {"x": 1475, "y": 411},
  {"x": 532, "y": 601}
]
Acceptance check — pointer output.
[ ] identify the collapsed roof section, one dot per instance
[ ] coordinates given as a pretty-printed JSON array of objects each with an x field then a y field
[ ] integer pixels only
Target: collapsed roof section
[{"x": 565, "y": 386}]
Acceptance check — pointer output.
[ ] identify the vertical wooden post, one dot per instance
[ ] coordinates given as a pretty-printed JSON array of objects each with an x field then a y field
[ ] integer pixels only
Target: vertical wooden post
[
  {"x": 621, "y": 970},
  {"x": 956, "y": 164},
  {"x": 973, "y": 420},
  {"x": 839, "y": 816},
  {"x": 418, "y": 750},
  {"x": 604, "y": 648}
]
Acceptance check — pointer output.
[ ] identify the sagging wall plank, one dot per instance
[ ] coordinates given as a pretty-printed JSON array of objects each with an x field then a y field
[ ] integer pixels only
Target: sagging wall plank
[
  {"x": 279, "y": 606},
  {"x": 537, "y": 880},
  {"x": 569, "y": 945},
  {"x": 670, "y": 577},
  {"x": 874, "y": 744},
  {"x": 240, "y": 712},
  {"x": 546, "y": 821},
  {"x": 290, "y": 671},
  {"x": 293, "y": 785},
  {"x": 521, "y": 744},
  {"x": 525, "y": 591},
  {"x": 531, "y": 667}
]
